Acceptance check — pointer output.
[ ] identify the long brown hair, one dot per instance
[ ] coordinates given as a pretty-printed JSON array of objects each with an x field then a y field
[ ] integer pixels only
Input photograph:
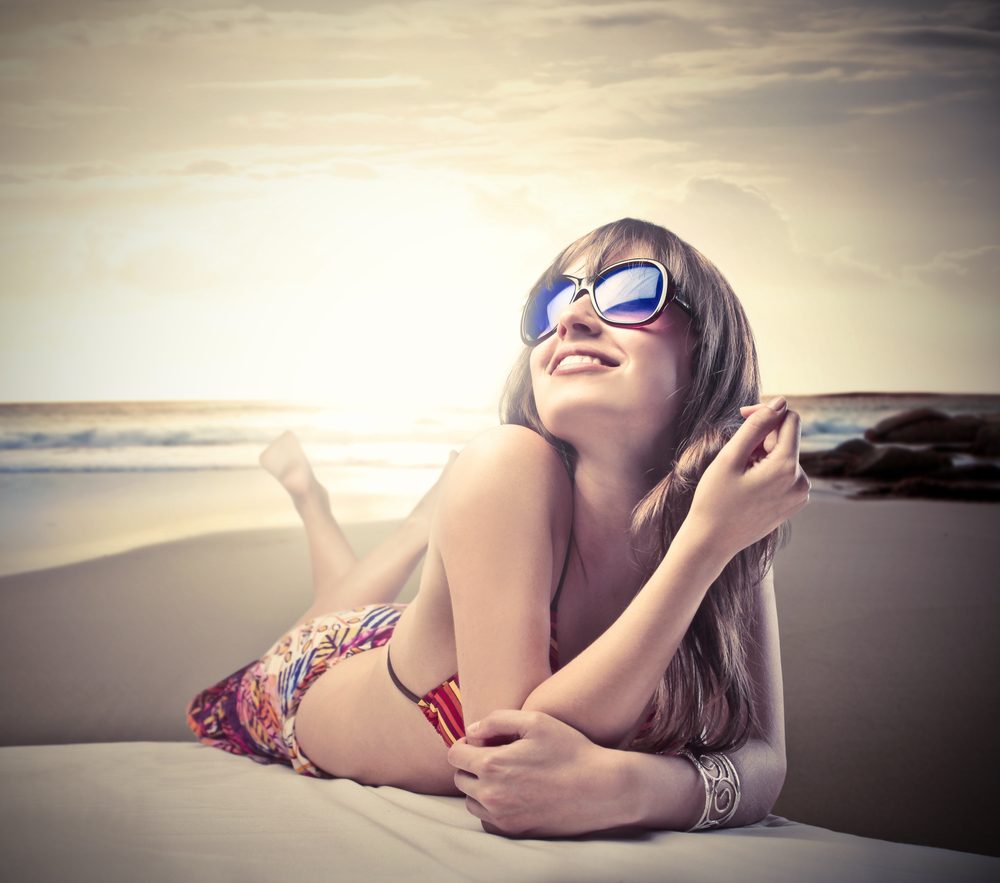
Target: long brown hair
[{"x": 705, "y": 700}]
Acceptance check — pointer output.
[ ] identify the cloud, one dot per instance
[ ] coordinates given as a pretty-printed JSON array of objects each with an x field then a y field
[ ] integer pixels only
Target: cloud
[
  {"x": 52, "y": 25},
  {"x": 948, "y": 38},
  {"x": 83, "y": 172},
  {"x": 964, "y": 271},
  {"x": 52, "y": 113},
  {"x": 393, "y": 81},
  {"x": 615, "y": 15},
  {"x": 812, "y": 148},
  {"x": 208, "y": 167}
]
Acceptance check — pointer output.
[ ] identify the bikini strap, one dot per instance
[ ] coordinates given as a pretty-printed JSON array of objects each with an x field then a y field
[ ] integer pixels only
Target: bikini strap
[
  {"x": 409, "y": 694},
  {"x": 562, "y": 576}
]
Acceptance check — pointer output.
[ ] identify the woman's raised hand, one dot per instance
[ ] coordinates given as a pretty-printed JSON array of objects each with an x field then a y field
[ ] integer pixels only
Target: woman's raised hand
[{"x": 755, "y": 482}]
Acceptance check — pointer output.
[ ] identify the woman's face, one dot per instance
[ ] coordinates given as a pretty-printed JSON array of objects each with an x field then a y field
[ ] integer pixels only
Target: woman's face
[{"x": 634, "y": 396}]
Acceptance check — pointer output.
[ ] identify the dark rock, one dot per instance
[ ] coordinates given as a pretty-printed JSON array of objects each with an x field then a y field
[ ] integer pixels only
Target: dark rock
[
  {"x": 896, "y": 462},
  {"x": 924, "y": 425},
  {"x": 919, "y": 464},
  {"x": 823, "y": 463},
  {"x": 880, "y": 430},
  {"x": 853, "y": 446},
  {"x": 931, "y": 488},
  {"x": 970, "y": 472},
  {"x": 951, "y": 447},
  {"x": 987, "y": 441}
]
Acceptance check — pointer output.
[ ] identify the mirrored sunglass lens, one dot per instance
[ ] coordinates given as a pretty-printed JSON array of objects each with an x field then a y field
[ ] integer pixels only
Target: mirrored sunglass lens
[
  {"x": 630, "y": 293},
  {"x": 542, "y": 313}
]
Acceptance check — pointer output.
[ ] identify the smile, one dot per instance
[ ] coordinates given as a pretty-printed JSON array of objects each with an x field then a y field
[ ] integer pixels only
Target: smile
[{"x": 574, "y": 364}]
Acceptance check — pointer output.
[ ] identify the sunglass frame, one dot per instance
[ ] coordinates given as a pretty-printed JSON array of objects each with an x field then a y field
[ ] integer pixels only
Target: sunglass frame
[{"x": 668, "y": 296}]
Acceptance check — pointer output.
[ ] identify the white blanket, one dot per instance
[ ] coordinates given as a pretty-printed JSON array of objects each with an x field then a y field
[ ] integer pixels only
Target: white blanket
[{"x": 169, "y": 811}]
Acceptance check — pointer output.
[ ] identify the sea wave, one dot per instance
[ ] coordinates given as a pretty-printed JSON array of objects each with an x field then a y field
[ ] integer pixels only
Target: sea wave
[
  {"x": 98, "y": 438},
  {"x": 837, "y": 425},
  {"x": 226, "y": 436},
  {"x": 132, "y": 437}
]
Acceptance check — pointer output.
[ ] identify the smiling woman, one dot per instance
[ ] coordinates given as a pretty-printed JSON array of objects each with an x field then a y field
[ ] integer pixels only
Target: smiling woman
[{"x": 625, "y": 498}]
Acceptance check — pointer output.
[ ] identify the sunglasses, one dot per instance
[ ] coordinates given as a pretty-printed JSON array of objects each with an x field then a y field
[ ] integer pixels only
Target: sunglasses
[{"x": 625, "y": 294}]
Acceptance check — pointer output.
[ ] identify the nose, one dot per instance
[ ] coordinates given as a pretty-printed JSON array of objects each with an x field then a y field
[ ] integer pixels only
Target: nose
[{"x": 578, "y": 316}]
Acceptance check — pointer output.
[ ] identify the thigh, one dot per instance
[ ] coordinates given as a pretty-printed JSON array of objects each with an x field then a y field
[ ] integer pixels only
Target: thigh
[
  {"x": 354, "y": 723},
  {"x": 316, "y": 609}
]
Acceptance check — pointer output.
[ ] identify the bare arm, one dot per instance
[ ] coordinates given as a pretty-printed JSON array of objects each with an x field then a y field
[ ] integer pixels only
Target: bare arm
[
  {"x": 661, "y": 785},
  {"x": 496, "y": 530},
  {"x": 604, "y": 690},
  {"x": 507, "y": 503},
  {"x": 552, "y": 781},
  {"x": 739, "y": 500}
]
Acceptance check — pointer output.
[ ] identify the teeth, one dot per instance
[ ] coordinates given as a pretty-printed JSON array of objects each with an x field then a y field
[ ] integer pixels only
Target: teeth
[{"x": 579, "y": 360}]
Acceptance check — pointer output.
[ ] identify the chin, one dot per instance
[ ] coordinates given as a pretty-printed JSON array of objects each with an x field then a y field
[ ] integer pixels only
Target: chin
[
  {"x": 575, "y": 422},
  {"x": 581, "y": 421}
]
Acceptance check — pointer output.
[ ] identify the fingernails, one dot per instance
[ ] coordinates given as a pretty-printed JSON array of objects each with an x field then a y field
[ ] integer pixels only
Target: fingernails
[{"x": 777, "y": 403}]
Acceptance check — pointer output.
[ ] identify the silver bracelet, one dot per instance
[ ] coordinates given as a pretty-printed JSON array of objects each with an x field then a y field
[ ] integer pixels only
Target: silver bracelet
[{"x": 722, "y": 788}]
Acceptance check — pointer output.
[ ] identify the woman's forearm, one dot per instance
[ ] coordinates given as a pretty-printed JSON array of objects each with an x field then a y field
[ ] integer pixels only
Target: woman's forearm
[
  {"x": 667, "y": 792},
  {"x": 605, "y": 689}
]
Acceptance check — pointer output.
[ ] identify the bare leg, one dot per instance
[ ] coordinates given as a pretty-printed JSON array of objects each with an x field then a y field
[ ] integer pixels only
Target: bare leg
[
  {"x": 340, "y": 579},
  {"x": 331, "y": 554}
]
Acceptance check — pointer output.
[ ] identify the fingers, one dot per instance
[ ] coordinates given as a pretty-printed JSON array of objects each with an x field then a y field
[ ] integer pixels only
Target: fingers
[
  {"x": 783, "y": 431},
  {"x": 498, "y": 728},
  {"x": 746, "y": 410},
  {"x": 739, "y": 449},
  {"x": 470, "y": 785},
  {"x": 507, "y": 724},
  {"x": 790, "y": 436},
  {"x": 475, "y": 807},
  {"x": 463, "y": 756}
]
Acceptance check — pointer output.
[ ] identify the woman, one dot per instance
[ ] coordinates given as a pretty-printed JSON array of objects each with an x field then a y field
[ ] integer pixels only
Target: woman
[{"x": 620, "y": 490}]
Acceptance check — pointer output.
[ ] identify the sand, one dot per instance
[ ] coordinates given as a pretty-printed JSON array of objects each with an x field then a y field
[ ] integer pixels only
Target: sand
[{"x": 888, "y": 616}]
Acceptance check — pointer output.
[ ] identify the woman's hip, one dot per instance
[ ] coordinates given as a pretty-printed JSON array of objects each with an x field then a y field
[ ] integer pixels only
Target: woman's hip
[{"x": 253, "y": 711}]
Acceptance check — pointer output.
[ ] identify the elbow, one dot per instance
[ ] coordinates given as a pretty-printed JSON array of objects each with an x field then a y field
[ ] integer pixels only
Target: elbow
[
  {"x": 762, "y": 778},
  {"x": 772, "y": 782},
  {"x": 585, "y": 726},
  {"x": 779, "y": 769}
]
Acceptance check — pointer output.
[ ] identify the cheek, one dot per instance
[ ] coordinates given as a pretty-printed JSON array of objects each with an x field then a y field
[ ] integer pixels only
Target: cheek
[
  {"x": 665, "y": 368},
  {"x": 537, "y": 362}
]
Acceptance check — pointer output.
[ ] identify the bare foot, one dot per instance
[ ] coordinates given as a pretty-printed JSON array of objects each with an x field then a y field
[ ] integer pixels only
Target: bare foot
[
  {"x": 425, "y": 508},
  {"x": 287, "y": 462}
]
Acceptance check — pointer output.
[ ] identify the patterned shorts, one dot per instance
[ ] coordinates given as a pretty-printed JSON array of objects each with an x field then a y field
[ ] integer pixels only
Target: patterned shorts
[{"x": 252, "y": 712}]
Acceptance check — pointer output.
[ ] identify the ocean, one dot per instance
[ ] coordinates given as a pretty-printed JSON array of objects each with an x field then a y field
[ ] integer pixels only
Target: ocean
[{"x": 83, "y": 479}]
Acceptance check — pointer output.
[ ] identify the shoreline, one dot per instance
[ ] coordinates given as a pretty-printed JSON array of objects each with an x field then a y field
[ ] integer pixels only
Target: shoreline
[
  {"x": 288, "y": 529},
  {"x": 55, "y": 520},
  {"x": 181, "y": 544}
]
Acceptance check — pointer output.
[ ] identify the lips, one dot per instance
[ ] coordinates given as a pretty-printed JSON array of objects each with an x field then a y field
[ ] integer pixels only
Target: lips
[{"x": 581, "y": 356}]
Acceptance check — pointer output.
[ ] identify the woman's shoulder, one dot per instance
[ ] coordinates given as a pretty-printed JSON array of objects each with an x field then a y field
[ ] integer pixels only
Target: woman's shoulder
[
  {"x": 510, "y": 446},
  {"x": 512, "y": 439},
  {"x": 509, "y": 462}
]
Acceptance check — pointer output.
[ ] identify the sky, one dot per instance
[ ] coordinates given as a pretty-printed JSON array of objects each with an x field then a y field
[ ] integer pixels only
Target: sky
[{"x": 349, "y": 201}]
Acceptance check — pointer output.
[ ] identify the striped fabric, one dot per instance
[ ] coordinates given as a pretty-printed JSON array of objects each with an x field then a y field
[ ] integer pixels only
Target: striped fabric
[{"x": 442, "y": 706}]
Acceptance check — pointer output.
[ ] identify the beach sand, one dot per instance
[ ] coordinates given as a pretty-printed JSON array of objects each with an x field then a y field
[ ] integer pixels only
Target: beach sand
[{"x": 888, "y": 616}]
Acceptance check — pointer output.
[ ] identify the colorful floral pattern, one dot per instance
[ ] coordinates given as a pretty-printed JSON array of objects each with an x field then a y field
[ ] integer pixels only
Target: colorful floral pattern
[{"x": 252, "y": 711}]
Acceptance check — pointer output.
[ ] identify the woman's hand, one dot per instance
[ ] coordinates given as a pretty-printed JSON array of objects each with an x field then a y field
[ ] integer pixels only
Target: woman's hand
[
  {"x": 550, "y": 781},
  {"x": 755, "y": 482}
]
